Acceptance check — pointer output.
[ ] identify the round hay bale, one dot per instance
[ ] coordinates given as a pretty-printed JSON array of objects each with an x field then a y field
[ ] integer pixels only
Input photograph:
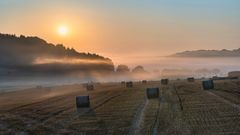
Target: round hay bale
[
  {"x": 164, "y": 81},
  {"x": 129, "y": 84},
  {"x": 39, "y": 87},
  {"x": 207, "y": 84},
  {"x": 144, "y": 81},
  {"x": 82, "y": 101},
  {"x": 123, "y": 82},
  {"x": 234, "y": 74},
  {"x": 152, "y": 93},
  {"x": 90, "y": 87},
  {"x": 190, "y": 79}
]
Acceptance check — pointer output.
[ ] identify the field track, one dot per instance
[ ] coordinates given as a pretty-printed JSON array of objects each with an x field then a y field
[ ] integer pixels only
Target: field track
[{"x": 225, "y": 101}]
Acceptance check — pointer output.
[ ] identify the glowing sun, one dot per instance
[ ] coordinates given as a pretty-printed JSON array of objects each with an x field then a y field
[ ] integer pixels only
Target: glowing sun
[{"x": 63, "y": 30}]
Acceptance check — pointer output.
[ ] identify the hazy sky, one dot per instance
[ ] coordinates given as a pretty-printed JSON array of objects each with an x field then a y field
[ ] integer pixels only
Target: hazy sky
[{"x": 127, "y": 28}]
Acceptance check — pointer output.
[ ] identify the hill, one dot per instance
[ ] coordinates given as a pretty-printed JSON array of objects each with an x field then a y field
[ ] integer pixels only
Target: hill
[
  {"x": 209, "y": 53},
  {"x": 34, "y": 55}
]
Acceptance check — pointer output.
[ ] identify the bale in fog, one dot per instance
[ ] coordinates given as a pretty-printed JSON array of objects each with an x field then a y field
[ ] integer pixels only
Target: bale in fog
[
  {"x": 152, "y": 93},
  {"x": 90, "y": 87},
  {"x": 234, "y": 74},
  {"x": 39, "y": 87},
  {"x": 123, "y": 82},
  {"x": 144, "y": 81},
  {"x": 190, "y": 79},
  {"x": 208, "y": 84},
  {"x": 82, "y": 101},
  {"x": 129, "y": 84},
  {"x": 223, "y": 78},
  {"x": 164, "y": 81}
]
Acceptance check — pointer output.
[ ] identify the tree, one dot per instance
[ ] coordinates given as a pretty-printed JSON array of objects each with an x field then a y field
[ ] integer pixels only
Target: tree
[
  {"x": 138, "y": 69},
  {"x": 122, "y": 69}
]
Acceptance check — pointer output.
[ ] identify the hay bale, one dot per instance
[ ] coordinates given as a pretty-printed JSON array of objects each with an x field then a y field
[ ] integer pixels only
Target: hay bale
[
  {"x": 224, "y": 78},
  {"x": 152, "y": 93},
  {"x": 129, "y": 84},
  {"x": 208, "y": 84},
  {"x": 190, "y": 79},
  {"x": 90, "y": 87},
  {"x": 82, "y": 101},
  {"x": 234, "y": 74},
  {"x": 219, "y": 78},
  {"x": 123, "y": 82},
  {"x": 144, "y": 81},
  {"x": 164, "y": 81},
  {"x": 39, "y": 87}
]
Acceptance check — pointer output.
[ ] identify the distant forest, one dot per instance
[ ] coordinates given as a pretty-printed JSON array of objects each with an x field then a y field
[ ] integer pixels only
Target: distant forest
[
  {"x": 209, "y": 53},
  {"x": 19, "y": 55}
]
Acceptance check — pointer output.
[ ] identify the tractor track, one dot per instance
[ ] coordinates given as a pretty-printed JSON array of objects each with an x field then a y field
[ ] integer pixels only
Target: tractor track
[
  {"x": 76, "y": 115},
  {"x": 224, "y": 100},
  {"x": 154, "y": 127},
  {"x": 41, "y": 112},
  {"x": 138, "y": 119}
]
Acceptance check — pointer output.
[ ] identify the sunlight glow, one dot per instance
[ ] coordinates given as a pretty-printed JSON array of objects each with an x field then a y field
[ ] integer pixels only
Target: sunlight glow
[{"x": 63, "y": 30}]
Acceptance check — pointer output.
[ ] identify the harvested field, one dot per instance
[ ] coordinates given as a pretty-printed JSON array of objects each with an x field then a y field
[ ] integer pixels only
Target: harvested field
[
  {"x": 207, "y": 113},
  {"x": 182, "y": 108}
]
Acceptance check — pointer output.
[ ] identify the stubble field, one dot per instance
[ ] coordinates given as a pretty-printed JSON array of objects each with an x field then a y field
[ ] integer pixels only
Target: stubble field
[{"x": 183, "y": 108}]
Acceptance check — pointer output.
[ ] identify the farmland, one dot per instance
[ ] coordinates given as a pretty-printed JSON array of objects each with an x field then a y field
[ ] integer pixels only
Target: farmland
[{"x": 183, "y": 108}]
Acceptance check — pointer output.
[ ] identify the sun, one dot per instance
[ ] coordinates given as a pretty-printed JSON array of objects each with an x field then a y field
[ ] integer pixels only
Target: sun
[{"x": 63, "y": 30}]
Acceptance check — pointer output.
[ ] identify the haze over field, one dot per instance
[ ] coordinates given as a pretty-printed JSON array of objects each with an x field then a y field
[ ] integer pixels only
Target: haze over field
[
  {"x": 70, "y": 37},
  {"x": 31, "y": 61}
]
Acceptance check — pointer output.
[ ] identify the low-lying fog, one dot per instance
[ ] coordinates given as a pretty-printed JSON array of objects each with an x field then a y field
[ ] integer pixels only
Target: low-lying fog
[
  {"x": 225, "y": 64},
  {"x": 156, "y": 67}
]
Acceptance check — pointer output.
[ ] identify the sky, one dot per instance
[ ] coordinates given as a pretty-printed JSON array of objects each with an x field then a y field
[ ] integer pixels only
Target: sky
[{"x": 127, "y": 28}]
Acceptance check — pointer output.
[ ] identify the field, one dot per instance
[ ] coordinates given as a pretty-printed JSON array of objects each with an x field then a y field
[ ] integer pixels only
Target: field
[{"x": 183, "y": 108}]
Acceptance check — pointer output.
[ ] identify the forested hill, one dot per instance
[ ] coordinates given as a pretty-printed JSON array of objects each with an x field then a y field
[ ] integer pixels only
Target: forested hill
[
  {"x": 209, "y": 53},
  {"x": 36, "y": 55}
]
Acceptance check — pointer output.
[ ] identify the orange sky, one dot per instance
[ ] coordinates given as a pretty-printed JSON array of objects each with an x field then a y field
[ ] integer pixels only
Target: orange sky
[{"x": 120, "y": 30}]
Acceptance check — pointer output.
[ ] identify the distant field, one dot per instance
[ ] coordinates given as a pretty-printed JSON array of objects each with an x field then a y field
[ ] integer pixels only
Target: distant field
[{"x": 183, "y": 108}]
